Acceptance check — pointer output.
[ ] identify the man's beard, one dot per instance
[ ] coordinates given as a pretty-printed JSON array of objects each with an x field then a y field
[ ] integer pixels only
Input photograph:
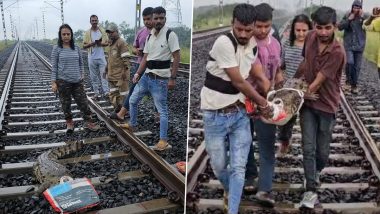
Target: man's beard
[
  {"x": 242, "y": 41},
  {"x": 158, "y": 27},
  {"x": 325, "y": 39}
]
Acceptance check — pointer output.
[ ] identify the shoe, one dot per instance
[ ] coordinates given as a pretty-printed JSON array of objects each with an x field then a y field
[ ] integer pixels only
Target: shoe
[
  {"x": 91, "y": 126},
  {"x": 96, "y": 97},
  {"x": 69, "y": 126},
  {"x": 181, "y": 167},
  {"x": 117, "y": 109},
  {"x": 346, "y": 88},
  {"x": 114, "y": 116},
  {"x": 354, "y": 90},
  {"x": 250, "y": 185},
  {"x": 225, "y": 202},
  {"x": 264, "y": 199},
  {"x": 310, "y": 199},
  {"x": 284, "y": 148},
  {"x": 317, "y": 181},
  {"x": 127, "y": 126},
  {"x": 161, "y": 146}
]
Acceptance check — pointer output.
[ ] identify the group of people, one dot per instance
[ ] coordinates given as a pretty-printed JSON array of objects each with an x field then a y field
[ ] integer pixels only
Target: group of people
[
  {"x": 354, "y": 24},
  {"x": 247, "y": 63},
  {"x": 155, "y": 44}
]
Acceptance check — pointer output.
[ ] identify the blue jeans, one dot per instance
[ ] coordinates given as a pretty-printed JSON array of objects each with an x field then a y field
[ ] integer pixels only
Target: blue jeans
[
  {"x": 266, "y": 137},
  {"x": 251, "y": 167},
  {"x": 223, "y": 130},
  {"x": 126, "y": 101},
  {"x": 97, "y": 68},
  {"x": 317, "y": 128},
  {"x": 158, "y": 88},
  {"x": 354, "y": 62}
]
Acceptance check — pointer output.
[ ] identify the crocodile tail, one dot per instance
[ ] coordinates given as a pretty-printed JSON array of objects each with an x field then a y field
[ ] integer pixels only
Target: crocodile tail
[{"x": 45, "y": 185}]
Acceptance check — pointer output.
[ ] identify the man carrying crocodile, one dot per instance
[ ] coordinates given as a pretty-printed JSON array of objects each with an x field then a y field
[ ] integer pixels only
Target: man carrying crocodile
[
  {"x": 222, "y": 102},
  {"x": 324, "y": 60}
]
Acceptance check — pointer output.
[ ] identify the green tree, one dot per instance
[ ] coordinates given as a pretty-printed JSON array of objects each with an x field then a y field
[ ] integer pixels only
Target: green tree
[
  {"x": 78, "y": 36},
  {"x": 184, "y": 35},
  {"x": 127, "y": 32},
  {"x": 104, "y": 24}
]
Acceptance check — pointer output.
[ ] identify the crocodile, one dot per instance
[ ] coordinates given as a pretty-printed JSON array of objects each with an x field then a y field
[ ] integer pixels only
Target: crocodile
[
  {"x": 48, "y": 170},
  {"x": 290, "y": 98}
]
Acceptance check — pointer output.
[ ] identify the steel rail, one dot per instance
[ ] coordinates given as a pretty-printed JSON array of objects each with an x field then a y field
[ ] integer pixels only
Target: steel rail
[
  {"x": 365, "y": 139},
  {"x": 163, "y": 171},
  {"x": 8, "y": 83}
]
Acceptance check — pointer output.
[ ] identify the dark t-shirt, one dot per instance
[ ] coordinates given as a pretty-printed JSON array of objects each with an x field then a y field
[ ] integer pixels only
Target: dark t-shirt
[{"x": 331, "y": 63}]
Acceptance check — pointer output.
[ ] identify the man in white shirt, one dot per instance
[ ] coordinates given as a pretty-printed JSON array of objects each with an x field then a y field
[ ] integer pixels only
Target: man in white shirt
[
  {"x": 94, "y": 40},
  {"x": 222, "y": 101},
  {"x": 161, "y": 45}
]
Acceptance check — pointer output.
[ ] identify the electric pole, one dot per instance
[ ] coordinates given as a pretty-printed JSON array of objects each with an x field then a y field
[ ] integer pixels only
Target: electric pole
[
  {"x": 221, "y": 17},
  {"x": 2, "y": 16},
  {"x": 173, "y": 7},
  {"x": 37, "y": 29},
  {"x": 12, "y": 29},
  {"x": 43, "y": 23},
  {"x": 138, "y": 15},
  {"x": 63, "y": 20}
]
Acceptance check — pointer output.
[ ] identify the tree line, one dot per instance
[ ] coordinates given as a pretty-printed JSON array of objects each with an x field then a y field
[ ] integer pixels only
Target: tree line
[{"x": 128, "y": 33}]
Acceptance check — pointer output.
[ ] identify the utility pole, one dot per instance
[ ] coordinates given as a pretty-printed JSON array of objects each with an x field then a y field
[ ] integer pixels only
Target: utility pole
[
  {"x": 138, "y": 15},
  {"x": 311, "y": 7},
  {"x": 2, "y": 16},
  {"x": 63, "y": 20},
  {"x": 12, "y": 29},
  {"x": 221, "y": 17},
  {"x": 37, "y": 29},
  {"x": 173, "y": 7},
  {"x": 43, "y": 23},
  {"x": 60, "y": 9},
  {"x": 16, "y": 34}
]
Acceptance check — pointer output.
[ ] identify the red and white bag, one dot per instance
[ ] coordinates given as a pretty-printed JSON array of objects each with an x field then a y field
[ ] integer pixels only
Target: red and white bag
[{"x": 72, "y": 195}]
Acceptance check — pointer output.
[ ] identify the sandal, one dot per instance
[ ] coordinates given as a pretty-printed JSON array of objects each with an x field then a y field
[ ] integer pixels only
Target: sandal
[
  {"x": 114, "y": 116},
  {"x": 250, "y": 186},
  {"x": 181, "y": 167},
  {"x": 156, "y": 148},
  {"x": 225, "y": 202},
  {"x": 126, "y": 126}
]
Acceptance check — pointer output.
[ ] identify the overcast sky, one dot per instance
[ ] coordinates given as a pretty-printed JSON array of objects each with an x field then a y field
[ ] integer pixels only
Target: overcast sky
[
  {"x": 77, "y": 14},
  {"x": 295, "y": 4}
]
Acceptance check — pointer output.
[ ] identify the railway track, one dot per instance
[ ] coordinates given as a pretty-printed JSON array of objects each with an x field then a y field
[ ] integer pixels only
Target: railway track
[
  {"x": 128, "y": 175},
  {"x": 350, "y": 183}
]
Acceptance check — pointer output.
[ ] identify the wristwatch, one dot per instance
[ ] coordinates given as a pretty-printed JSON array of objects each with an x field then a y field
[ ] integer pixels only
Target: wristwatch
[{"x": 172, "y": 78}]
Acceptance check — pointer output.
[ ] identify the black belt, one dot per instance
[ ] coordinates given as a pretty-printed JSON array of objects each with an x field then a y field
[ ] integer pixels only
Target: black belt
[
  {"x": 231, "y": 108},
  {"x": 155, "y": 64},
  {"x": 155, "y": 76}
]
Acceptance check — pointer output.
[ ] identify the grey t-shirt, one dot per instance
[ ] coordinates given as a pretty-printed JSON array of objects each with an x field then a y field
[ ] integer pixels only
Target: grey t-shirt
[{"x": 97, "y": 51}]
